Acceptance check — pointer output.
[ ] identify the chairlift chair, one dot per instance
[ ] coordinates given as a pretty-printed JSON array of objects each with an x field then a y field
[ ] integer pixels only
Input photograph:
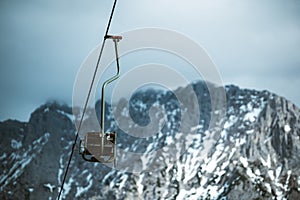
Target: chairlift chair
[
  {"x": 96, "y": 147},
  {"x": 101, "y": 146}
]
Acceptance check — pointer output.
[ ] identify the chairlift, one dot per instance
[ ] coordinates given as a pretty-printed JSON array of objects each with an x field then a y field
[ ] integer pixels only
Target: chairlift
[
  {"x": 98, "y": 146},
  {"x": 101, "y": 146}
]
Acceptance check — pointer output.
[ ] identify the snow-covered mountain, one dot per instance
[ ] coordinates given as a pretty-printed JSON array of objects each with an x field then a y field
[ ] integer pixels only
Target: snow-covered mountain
[{"x": 252, "y": 152}]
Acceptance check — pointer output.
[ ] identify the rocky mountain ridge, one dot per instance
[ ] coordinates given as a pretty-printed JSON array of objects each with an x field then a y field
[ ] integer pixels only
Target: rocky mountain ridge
[{"x": 252, "y": 152}]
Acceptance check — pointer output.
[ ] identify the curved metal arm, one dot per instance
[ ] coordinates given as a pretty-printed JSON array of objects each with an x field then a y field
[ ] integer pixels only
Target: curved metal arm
[{"x": 116, "y": 40}]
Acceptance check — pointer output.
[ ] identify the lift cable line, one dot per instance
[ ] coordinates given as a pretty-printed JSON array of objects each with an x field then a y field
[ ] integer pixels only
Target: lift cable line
[{"x": 116, "y": 39}]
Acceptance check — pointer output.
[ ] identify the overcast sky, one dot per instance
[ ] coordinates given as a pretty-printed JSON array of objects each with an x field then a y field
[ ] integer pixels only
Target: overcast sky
[{"x": 254, "y": 43}]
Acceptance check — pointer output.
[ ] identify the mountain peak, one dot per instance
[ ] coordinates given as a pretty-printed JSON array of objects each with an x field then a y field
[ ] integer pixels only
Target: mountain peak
[{"x": 252, "y": 152}]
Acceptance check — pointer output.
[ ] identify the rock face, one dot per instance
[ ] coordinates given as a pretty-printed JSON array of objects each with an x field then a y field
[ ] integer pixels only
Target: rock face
[{"x": 179, "y": 152}]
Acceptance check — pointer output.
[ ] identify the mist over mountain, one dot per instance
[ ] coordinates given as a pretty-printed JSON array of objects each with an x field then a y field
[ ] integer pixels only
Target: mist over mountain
[{"x": 249, "y": 149}]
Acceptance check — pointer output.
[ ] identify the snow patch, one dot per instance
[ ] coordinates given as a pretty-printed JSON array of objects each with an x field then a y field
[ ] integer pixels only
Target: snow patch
[
  {"x": 278, "y": 171},
  {"x": 123, "y": 181},
  {"x": 232, "y": 120},
  {"x": 67, "y": 187},
  {"x": 60, "y": 170},
  {"x": 243, "y": 108},
  {"x": 251, "y": 175},
  {"x": 266, "y": 163},
  {"x": 20, "y": 161},
  {"x": 240, "y": 141},
  {"x": 268, "y": 186},
  {"x": 15, "y": 144},
  {"x": 271, "y": 175},
  {"x": 169, "y": 140},
  {"x": 196, "y": 128},
  {"x": 3, "y": 156},
  {"x": 252, "y": 116},
  {"x": 81, "y": 190},
  {"x": 50, "y": 187},
  {"x": 257, "y": 172},
  {"x": 287, "y": 128},
  {"x": 223, "y": 134},
  {"x": 70, "y": 116},
  {"x": 244, "y": 161},
  {"x": 268, "y": 139},
  {"x": 139, "y": 185}
]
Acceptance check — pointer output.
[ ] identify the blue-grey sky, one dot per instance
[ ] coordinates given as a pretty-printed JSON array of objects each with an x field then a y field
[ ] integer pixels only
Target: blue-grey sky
[{"x": 254, "y": 43}]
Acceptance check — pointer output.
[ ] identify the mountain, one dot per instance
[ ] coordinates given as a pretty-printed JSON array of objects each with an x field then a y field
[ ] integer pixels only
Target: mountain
[{"x": 179, "y": 145}]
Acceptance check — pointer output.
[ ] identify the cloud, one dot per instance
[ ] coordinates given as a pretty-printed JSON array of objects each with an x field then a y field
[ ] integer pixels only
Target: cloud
[{"x": 43, "y": 43}]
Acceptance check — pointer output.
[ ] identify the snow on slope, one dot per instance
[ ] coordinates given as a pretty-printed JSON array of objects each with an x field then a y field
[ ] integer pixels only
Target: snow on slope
[
  {"x": 251, "y": 153},
  {"x": 18, "y": 162}
]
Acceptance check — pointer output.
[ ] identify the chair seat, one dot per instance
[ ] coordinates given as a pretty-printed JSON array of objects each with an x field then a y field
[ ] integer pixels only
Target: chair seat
[{"x": 93, "y": 145}]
